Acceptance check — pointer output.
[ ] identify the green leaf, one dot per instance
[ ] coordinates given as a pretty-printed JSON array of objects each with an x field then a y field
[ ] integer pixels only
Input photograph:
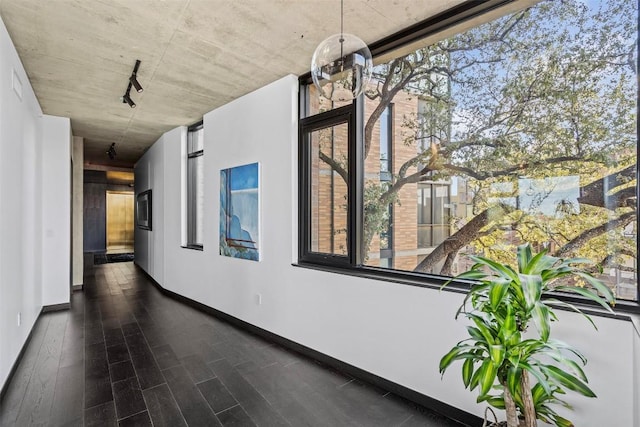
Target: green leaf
[
  {"x": 497, "y": 354},
  {"x": 448, "y": 358},
  {"x": 524, "y": 257},
  {"x": 468, "y": 275},
  {"x": 539, "y": 263},
  {"x": 562, "y": 422},
  {"x": 496, "y": 402},
  {"x": 484, "y": 329},
  {"x": 541, "y": 320},
  {"x": 502, "y": 269},
  {"x": 585, "y": 293},
  {"x": 471, "y": 274},
  {"x": 532, "y": 289},
  {"x": 558, "y": 345},
  {"x": 538, "y": 394},
  {"x": 488, "y": 376},
  {"x": 510, "y": 324},
  {"x": 475, "y": 334},
  {"x": 606, "y": 293},
  {"x": 497, "y": 292},
  {"x": 554, "y": 301},
  {"x": 541, "y": 379},
  {"x": 513, "y": 379},
  {"x": 476, "y": 289},
  {"x": 514, "y": 339},
  {"x": 467, "y": 372},
  {"x": 508, "y": 332},
  {"x": 567, "y": 380},
  {"x": 571, "y": 365},
  {"x": 475, "y": 379}
]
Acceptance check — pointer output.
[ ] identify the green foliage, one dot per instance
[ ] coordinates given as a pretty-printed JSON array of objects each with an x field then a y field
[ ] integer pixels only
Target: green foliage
[
  {"x": 547, "y": 91},
  {"x": 502, "y": 305}
]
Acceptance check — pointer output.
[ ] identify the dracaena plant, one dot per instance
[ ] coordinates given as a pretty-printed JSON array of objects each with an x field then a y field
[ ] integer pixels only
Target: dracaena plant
[{"x": 524, "y": 374}]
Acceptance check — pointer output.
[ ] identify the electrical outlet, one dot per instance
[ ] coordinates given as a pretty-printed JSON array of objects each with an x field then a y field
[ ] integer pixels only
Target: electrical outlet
[
  {"x": 259, "y": 299},
  {"x": 19, "y": 319}
]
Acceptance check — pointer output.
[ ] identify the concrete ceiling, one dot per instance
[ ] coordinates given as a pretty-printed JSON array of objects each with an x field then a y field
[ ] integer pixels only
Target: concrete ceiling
[{"x": 196, "y": 56}]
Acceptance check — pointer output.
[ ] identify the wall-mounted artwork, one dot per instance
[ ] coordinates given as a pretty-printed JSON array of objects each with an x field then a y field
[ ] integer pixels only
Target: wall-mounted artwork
[
  {"x": 240, "y": 212},
  {"x": 143, "y": 210}
]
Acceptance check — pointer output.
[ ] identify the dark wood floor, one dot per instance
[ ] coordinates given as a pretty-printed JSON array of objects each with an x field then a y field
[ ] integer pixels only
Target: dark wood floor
[{"x": 127, "y": 355}]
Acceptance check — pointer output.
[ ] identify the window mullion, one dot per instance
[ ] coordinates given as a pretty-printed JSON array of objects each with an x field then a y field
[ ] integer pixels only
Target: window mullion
[{"x": 356, "y": 182}]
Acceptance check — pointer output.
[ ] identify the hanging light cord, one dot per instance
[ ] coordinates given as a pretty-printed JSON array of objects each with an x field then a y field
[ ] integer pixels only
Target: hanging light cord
[
  {"x": 341, "y": 20},
  {"x": 341, "y": 35}
]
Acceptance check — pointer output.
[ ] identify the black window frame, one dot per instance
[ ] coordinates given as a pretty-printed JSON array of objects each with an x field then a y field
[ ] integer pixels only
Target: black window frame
[
  {"x": 343, "y": 115},
  {"x": 353, "y": 264},
  {"x": 191, "y": 214}
]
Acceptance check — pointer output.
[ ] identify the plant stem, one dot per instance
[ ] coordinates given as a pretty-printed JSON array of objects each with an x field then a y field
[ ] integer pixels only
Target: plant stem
[
  {"x": 510, "y": 407},
  {"x": 527, "y": 400}
]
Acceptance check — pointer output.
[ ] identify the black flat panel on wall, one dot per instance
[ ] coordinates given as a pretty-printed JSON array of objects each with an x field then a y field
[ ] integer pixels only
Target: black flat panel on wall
[
  {"x": 95, "y": 216},
  {"x": 96, "y": 185}
]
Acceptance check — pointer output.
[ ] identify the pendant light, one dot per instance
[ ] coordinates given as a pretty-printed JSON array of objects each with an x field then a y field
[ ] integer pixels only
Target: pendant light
[{"x": 341, "y": 65}]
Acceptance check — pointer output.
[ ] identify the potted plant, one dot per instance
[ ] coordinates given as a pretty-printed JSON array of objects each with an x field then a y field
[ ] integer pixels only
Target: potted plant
[{"x": 514, "y": 367}]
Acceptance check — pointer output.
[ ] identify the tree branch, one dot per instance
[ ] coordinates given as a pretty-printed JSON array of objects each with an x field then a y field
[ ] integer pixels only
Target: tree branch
[
  {"x": 587, "y": 235},
  {"x": 462, "y": 237},
  {"x": 480, "y": 176},
  {"x": 595, "y": 194},
  {"x": 335, "y": 165}
]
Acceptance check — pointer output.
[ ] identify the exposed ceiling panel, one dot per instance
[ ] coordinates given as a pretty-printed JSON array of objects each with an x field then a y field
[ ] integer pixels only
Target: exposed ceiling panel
[{"x": 196, "y": 56}]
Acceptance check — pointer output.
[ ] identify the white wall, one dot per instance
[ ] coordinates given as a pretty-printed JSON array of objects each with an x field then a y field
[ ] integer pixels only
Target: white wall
[
  {"x": 396, "y": 331},
  {"x": 25, "y": 174},
  {"x": 149, "y": 175},
  {"x": 56, "y": 206},
  {"x": 78, "y": 211}
]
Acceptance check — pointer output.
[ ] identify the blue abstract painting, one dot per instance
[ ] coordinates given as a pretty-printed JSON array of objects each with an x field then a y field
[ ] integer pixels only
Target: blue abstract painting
[{"x": 240, "y": 212}]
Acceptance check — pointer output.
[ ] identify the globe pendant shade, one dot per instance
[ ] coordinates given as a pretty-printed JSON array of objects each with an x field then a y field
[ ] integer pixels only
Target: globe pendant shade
[{"x": 341, "y": 67}]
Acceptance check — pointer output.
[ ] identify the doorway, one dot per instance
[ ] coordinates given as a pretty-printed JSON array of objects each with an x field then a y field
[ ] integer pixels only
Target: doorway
[{"x": 119, "y": 222}]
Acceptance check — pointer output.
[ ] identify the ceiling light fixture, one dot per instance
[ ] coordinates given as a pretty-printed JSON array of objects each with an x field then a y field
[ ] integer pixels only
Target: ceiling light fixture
[
  {"x": 126, "y": 98},
  {"x": 341, "y": 65},
  {"x": 133, "y": 81},
  {"x": 111, "y": 152}
]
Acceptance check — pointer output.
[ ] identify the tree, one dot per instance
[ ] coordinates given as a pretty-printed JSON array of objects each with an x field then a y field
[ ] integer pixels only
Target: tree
[{"x": 549, "y": 91}]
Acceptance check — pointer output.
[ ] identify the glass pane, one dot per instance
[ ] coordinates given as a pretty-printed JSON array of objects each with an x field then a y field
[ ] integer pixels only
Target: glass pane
[
  {"x": 195, "y": 140},
  {"x": 319, "y": 104},
  {"x": 329, "y": 176},
  {"x": 195, "y": 195},
  {"x": 199, "y": 199},
  {"x": 519, "y": 130}
]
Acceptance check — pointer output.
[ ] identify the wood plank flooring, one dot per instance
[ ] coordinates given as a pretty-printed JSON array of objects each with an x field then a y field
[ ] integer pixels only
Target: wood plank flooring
[{"x": 127, "y": 355}]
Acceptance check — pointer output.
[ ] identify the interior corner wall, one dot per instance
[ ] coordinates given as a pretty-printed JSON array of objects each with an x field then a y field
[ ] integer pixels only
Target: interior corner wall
[
  {"x": 56, "y": 200},
  {"x": 78, "y": 210},
  {"x": 31, "y": 188},
  {"x": 395, "y": 331},
  {"x": 20, "y": 205},
  {"x": 149, "y": 175}
]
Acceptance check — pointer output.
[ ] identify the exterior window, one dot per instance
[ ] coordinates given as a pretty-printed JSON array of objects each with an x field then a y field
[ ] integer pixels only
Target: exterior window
[
  {"x": 325, "y": 144},
  {"x": 433, "y": 214},
  {"x": 195, "y": 185},
  {"x": 521, "y": 129}
]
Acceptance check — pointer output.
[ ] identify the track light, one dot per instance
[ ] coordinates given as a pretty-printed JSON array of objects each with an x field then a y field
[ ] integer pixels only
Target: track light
[
  {"x": 126, "y": 98},
  {"x": 111, "y": 152},
  {"x": 133, "y": 81}
]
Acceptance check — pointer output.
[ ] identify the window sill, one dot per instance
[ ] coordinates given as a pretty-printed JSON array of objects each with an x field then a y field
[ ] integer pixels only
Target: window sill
[
  {"x": 623, "y": 310},
  {"x": 194, "y": 247}
]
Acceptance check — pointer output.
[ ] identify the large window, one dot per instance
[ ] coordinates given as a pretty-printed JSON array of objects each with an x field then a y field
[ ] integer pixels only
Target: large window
[
  {"x": 195, "y": 184},
  {"x": 521, "y": 129}
]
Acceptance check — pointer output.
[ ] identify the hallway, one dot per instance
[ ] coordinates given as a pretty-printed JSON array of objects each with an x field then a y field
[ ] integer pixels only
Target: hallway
[{"x": 126, "y": 354}]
